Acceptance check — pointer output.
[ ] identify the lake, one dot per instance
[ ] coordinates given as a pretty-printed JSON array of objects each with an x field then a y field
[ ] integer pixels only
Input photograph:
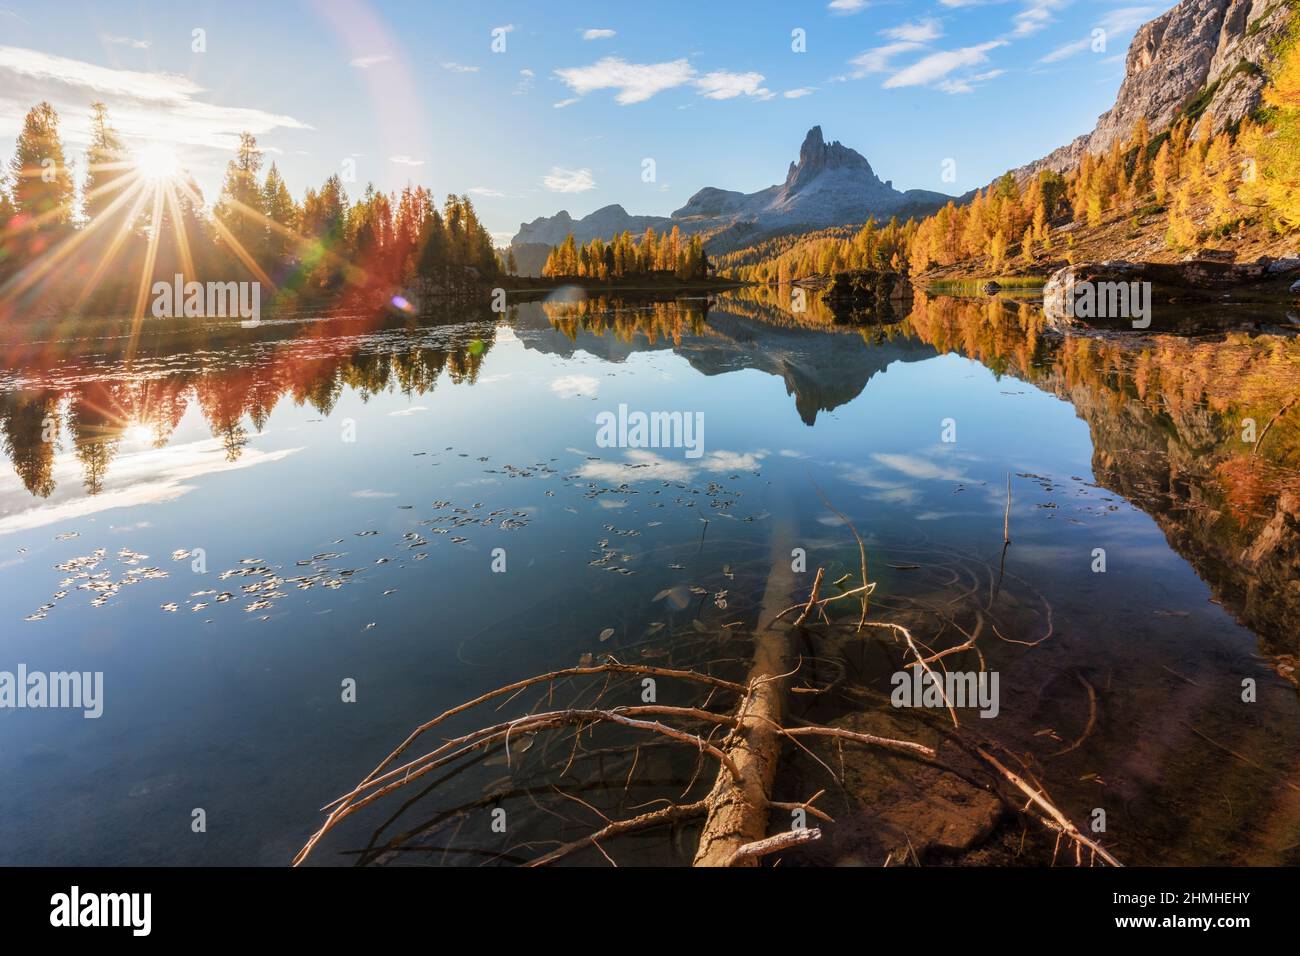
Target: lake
[{"x": 286, "y": 547}]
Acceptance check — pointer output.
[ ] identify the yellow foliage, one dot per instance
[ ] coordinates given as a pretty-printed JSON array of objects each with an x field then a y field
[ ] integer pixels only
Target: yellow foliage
[{"x": 1276, "y": 149}]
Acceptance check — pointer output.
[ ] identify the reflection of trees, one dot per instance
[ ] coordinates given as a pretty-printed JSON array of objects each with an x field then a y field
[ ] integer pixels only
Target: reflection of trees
[
  {"x": 1200, "y": 390},
  {"x": 1169, "y": 418},
  {"x": 23, "y": 416},
  {"x": 774, "y": 305},
  {"x": 654, "y": 321},
  {"x": 235, "y": 388},
  {"x": 96, "y": 423}
]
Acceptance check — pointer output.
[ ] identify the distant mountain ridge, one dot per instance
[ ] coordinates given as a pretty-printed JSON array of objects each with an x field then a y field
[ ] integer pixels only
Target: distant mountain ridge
[{"x": 830, "y": 185}]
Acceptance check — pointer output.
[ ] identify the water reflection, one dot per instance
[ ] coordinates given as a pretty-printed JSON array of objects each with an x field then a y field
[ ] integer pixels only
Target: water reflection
[
  {"x": 479, "y": 431},
  {"x": 1199, "y": 433},
  {"x": 93, "y": 399},
  {"x": 1202, "y": 434}
]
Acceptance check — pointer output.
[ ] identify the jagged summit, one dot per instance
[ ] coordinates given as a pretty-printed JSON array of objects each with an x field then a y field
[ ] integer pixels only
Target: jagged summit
[
  {"x": 829, "y": 185},
  {"x": 815, "y": 157}
]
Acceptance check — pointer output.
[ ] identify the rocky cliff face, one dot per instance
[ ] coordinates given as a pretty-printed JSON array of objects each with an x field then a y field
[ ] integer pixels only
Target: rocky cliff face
[
  {"x": 1202, "y": 52},
  {"x": 830, "y": 185}
]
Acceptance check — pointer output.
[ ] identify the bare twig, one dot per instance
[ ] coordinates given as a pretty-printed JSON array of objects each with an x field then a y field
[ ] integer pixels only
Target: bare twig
[
  {"x": 1061, "y": 820},
  {"x": 773, "y": 844}
]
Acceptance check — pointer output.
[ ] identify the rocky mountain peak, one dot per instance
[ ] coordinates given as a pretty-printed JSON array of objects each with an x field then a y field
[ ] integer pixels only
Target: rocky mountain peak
[
  {"x": 1213, "y": 53},
  {"x": 815, "y": 157},
  {"x": 830, "y": 184}
]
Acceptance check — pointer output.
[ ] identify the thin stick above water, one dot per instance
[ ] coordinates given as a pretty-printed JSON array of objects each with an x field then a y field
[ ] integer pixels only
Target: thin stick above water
[{"x": 1006, "y": 518}]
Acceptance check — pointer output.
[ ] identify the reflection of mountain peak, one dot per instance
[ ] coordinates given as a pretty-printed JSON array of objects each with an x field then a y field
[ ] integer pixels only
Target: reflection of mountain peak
[{"x": 822, "y": 368}]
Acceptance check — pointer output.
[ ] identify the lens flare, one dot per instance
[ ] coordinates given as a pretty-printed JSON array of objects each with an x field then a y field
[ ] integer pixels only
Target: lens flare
[{"x": 157, "y": 162}]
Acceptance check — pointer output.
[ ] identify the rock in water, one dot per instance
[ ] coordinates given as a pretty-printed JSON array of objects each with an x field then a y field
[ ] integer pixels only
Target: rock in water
[{"x": 891, "y": 804}]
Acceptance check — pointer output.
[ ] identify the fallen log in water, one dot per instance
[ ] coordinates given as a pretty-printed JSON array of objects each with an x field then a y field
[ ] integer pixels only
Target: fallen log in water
[
  {"x": 742, "y": 823},
  {"x": 738, "y": 808}
]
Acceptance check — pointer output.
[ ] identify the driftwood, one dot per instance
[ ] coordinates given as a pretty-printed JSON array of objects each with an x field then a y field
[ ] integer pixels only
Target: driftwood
[
  {"x": 760, "y": 848},
  {"x": 738, "y": 730},
  {"x": 738, "y": 806}
]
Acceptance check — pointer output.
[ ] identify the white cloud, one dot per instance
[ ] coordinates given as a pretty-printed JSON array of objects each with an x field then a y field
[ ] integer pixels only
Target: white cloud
[
  {"x": 142, "y": 105},
  {"x": 847, "y": 6},
  {"x": 722, "y": 85},
  {"x": 454, "y": 67},
  {"x": 1036, "y": 15},
  {"x": 597, "y": 34},
  {"x": 877, "y": 60},
  {"x": 937, "y": 66},
  {"x": 561, "y": 104},
  {"x": 486, "y": 192},
  {"x": 562, "y": 180},
  {"x": 918, "y": 31},
  {"x": 635, "y": 82},
  {"x": 366, "y": 62},
  {"x": 968, "y": 84},
  {"x": 1121, "y": 21},
  {"x": 1128, "y": 18},
  {"x": 801, "y": 91},
  {"x": 404, "y": 160},
  {"x": 132, "y": 42},
  {"x": 1067, "y": 51},
  {"x": 525, "y": 84}
]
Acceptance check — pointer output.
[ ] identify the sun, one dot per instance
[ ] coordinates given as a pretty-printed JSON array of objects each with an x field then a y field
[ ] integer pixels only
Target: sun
[{"x": 157, "y": 162}]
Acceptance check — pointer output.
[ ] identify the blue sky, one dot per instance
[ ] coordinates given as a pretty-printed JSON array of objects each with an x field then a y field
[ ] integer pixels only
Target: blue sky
[{"x": 576, "y": 95}]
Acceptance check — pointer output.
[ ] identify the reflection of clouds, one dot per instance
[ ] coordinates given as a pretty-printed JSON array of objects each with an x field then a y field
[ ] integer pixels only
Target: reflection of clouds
[
  {"x": 146, "y": 478},
  {"x": 643, "y": 465},
  {"x": 640, "y": 465},
  {"x": 914, "y": 466},
  {"x": 885, "y": 483},
  {"x": 369, "y": 493},
  {"x": 413, "y": 410},
  {"x": 573, "y": 386},
  {"x": 900, "y": 496},
  {"x": 732, "y": 460}
]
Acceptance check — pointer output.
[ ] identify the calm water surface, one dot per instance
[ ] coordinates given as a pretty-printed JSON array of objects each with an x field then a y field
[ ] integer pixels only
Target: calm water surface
[{"x": 346, "y": 482}]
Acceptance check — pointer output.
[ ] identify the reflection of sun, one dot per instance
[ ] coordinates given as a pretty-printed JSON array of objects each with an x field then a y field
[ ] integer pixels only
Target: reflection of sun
[{"x": 157, "y": 161}]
